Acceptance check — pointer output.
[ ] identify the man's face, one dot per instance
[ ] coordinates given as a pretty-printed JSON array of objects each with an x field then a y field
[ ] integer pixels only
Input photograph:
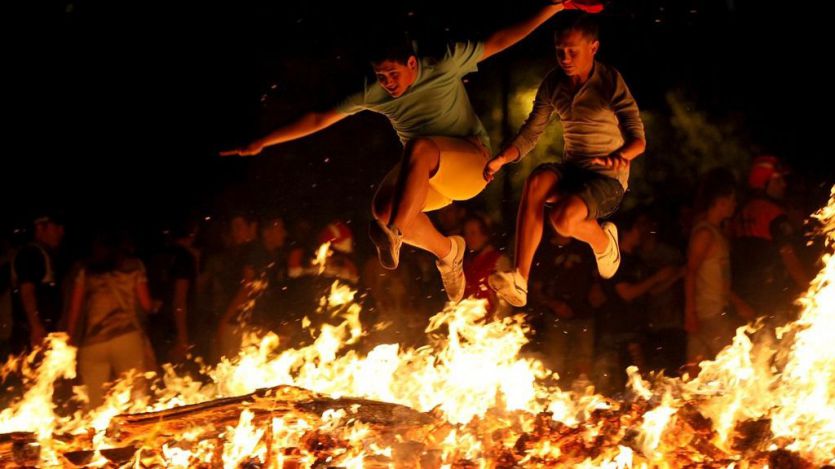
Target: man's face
[
  {"x": 49, "y": 233},
  {"x": 242, "y": 231},
  {"x": 475, "y": 237},
  {"x": 776, "y": 187},
  {"x": 727, "y": 204},
  {"x": 450, "y": 217},
  {"x": 575, "y": 52},
  {"x": 639, "y": 231},
  {"x": 396, "y": 77},
  {"x": 274, "y": 234}
]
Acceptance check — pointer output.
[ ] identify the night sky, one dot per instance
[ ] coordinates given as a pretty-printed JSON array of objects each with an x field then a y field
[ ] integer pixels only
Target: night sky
[{"x": 116, "y": 110}]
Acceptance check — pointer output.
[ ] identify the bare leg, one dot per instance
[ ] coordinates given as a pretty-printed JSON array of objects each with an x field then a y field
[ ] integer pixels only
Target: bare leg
[
  {"x": 423, "y": 234},
  {"x": 539, "y": 189},
  {"x": 420, "y": 162},
  {"x": 568, "y": 217},
  {"x": 402, "y": 204}
]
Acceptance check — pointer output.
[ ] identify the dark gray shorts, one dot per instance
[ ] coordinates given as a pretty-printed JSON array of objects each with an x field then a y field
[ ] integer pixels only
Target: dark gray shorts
[{"x": 601, "y": 194}]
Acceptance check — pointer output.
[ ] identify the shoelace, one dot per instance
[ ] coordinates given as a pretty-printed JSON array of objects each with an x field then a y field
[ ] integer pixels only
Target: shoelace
[{"x": 456, "y": 268}]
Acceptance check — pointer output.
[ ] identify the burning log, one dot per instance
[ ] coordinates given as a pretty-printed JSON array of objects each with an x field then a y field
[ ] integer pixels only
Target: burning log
[
  {"x": 290, "y": 403},
  {"x": 19, "y": 449},
  {"x": 118, "y": 456},
  {"x": 281, "y": 401},
  {"x": 413, "y": 436},
  {"x": 753, "y": 436},
  {"x": 782, "y": 459},
  {"x": 154, "y": 429}
]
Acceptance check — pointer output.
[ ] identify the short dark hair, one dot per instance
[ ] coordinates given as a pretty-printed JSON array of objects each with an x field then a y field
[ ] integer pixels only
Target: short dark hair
[
  {"x": 246, "y": 215},
  {"x": 105, "y": 253},
  {"x": 578, "y": 21},
  {"x": 184, "y": 228},
  {"x": 485, "y": 224},
  {"x": 715, "y": 184},
  {"x": 629, "y": 219},
  {"x": 393, "y": 45},
  {"x": 269, "y": 218},
  {"x": 48, "y": 217}
]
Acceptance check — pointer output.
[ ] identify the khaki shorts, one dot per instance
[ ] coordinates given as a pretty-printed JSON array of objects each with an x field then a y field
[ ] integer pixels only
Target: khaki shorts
[
  {"x": 459, "y": 176},
  {"x": 601, "y": 194}
]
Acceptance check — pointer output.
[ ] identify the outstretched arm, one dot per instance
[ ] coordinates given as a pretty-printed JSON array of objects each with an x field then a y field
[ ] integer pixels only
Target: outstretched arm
[
  {"x": 305, "y": 125},
  {"x": 504, "y": 38}
]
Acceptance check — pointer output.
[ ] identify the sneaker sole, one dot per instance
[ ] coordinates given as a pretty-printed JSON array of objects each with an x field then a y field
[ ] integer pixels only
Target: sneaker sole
[
  {"x": 462, "y": 248},
  {"x": 383, "y": 244},
  {"x": 613, "y": 236},
  {"x": 458, "y": 297},
  {"x": 513, "y": 301}
]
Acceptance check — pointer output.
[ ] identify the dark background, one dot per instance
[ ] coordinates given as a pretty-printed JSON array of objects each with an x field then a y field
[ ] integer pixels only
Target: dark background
[{"x": 115, "y": 111}]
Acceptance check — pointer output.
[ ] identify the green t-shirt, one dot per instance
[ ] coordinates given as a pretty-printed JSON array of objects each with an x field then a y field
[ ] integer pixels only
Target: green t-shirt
[{"x": 435, "y": 105}]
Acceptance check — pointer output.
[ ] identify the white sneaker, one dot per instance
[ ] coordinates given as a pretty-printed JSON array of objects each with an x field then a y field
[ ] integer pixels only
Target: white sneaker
[
  {"x": 609, "y": 261},
  {"x": 388, "y": 240},
  {"x": 452, "y": 274},
  {"x": 510, "y": 286}
]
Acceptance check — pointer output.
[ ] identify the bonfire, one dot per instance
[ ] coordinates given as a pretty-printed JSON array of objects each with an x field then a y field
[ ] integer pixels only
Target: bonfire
[{"x": 470, "y": 400}]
